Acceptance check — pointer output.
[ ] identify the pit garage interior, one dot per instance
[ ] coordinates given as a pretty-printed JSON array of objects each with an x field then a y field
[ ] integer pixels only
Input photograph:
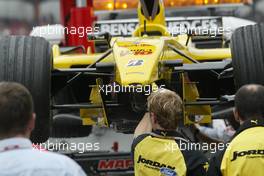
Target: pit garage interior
[{"x": 101, "y": 144}]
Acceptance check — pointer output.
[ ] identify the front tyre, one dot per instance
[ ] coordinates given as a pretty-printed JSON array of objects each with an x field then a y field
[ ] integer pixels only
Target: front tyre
[{"x": 27, "y": 60}]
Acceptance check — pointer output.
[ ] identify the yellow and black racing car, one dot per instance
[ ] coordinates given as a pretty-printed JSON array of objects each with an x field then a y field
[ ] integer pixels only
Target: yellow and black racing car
[{"x": 110, "y": 87}]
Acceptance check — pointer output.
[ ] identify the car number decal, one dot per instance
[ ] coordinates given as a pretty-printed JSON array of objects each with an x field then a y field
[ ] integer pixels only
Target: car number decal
[{"x": 133, "y": 63}]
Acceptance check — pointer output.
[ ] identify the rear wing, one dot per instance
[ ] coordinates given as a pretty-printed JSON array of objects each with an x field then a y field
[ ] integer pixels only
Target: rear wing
[
  {"x": 125, "y": 6},
  {"x": 175, "y": 25}
]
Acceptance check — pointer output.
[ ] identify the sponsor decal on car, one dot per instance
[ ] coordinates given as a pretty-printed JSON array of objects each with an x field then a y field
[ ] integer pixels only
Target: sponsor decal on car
[
  {"x": 136, "y": 52},
  {"x": 135, "y": 62},
  {"x": 132, "y": 44},
  {"x": 125, "y": 53},
  {"x": 119, "y": 164},
  {"x": 136, "y": 49}
]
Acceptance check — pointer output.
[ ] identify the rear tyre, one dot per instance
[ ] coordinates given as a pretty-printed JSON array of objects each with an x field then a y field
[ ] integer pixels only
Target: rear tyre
[
  {"x": 27, "y": 60},
  {"x": 247, "y": 47}
]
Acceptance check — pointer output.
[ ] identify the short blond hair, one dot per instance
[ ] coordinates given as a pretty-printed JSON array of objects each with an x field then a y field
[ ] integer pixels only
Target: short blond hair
[{"x": 167, "y": 106}]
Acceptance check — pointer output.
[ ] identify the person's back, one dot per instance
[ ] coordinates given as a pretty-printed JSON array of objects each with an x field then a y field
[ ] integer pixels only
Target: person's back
[
  {"x": 17, "y": 155},
  {"x": 19, "y": 158},
  {"x": 156, "y": 148},
  {"x": 245, "y": 153},
  {"x": 156, "y": 154}
]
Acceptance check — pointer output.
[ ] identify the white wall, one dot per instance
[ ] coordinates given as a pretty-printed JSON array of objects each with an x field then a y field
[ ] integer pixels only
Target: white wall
[
  {"x": 16, "y": 9},
  {"x": 50, "y": 8}
]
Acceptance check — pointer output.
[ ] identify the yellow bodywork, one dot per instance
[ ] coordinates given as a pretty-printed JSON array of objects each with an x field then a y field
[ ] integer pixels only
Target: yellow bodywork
[
  {"x": 95, "y": 116},
  {"x": 137, "y": 60}
]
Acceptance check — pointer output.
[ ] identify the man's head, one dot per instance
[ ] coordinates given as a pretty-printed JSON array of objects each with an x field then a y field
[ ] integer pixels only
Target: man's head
[
  {"x": 165, "y": 108},
  {"x": 249, "y": 102},
  {"x": 16, "y": 110}
]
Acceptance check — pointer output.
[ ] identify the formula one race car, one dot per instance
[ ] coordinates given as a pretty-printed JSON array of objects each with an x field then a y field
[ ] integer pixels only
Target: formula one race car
[{"x": 110, "y": 87}]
